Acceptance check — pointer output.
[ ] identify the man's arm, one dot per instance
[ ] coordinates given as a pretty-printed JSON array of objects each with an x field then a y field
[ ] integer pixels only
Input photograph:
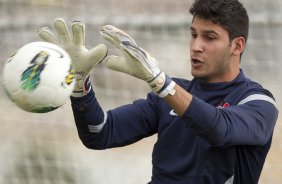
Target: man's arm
[
  {"x": 121, "y": 126},
  {"x": 180, "y": 101},
  {"x": 249, "y": 123}
]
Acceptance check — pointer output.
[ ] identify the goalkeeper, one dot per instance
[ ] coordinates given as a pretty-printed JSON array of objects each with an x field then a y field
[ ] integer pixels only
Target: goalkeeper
[{"x": 214, "y": 129}]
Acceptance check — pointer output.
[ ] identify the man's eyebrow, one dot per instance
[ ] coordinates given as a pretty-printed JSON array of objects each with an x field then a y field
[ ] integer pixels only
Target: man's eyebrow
[
  {"x": 205, "y": 31},
  {"x": 210, "y": 32}
]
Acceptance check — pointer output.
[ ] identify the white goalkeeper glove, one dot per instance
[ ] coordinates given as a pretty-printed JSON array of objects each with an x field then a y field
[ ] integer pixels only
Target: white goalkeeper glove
[
  {"x": 136, "y": 62},
  {"x": 82, "y": 58}
]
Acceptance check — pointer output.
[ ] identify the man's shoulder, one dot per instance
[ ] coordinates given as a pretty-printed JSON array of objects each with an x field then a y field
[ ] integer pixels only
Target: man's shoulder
[
  {"x": 252, "y": 86},
  {"x": 252, "y": 83},
  {"x": 249, "y": 89}
]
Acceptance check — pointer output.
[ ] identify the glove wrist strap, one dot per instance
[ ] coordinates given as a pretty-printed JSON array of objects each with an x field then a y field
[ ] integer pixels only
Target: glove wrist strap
[
  {"x": 82, "y": 87},
  {"x": 169, "y": 90},
  {"x": 162, "y": 85}
]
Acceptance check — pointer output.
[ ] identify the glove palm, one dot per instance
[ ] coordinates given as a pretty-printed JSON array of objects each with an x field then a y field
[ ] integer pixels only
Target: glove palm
[
  {"x": 136, "y": 61},
  {"x": 82, "y": 58}
]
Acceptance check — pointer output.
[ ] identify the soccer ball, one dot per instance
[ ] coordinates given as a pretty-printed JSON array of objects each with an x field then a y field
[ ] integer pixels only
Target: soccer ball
[{"x": 39, "y": 77}]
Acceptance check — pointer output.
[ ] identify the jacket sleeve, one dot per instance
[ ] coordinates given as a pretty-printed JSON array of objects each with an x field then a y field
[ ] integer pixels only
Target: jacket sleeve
[
  {"x": 250, "y": 122},
  {"x": 121, "y": 126}
]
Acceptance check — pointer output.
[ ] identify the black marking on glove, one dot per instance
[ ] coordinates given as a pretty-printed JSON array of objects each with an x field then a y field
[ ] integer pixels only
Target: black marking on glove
[
  {"x": 104, "y": 57},
  {"x": 129, "y": 44}
]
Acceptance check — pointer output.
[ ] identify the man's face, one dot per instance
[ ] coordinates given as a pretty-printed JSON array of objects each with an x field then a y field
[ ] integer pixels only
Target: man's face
[{"x": 210, "y": 50}]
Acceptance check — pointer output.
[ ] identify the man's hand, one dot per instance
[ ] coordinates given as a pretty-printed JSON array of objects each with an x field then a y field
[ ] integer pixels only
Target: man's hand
[
  {"x": 136, "y": 61},
  {"x": 82, "y": 58}
]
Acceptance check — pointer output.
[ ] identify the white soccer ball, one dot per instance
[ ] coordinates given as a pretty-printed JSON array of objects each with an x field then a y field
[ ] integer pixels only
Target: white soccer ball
[{"x": 39, "y": 77}]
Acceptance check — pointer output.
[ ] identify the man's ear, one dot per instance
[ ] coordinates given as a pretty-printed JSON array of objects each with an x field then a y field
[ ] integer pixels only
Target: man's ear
[{"x": 238, "y": 46}]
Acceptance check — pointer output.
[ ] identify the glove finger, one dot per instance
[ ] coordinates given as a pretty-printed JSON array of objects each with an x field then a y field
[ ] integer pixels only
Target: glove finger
[
  {"x": 116, "y": 36},
  {"x": 45, "y": 34},
  {"x": 78, "y": 31},
  {"x": 117, "y": 63},
  {"x": 123, "y": 41},
  {"x": 97, "y": 54},
  {"x": 62, "y": 30}
]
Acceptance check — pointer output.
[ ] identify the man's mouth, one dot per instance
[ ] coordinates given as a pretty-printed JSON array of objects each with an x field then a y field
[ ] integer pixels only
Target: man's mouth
[{"x": 196, "y": 62}]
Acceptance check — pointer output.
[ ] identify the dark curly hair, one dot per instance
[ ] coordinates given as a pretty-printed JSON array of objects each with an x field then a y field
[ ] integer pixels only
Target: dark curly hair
[{"x": 230, "y": 14}]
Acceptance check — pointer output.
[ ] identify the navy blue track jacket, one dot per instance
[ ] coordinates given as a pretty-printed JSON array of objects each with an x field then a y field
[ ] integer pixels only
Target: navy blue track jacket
[{"x": 223, "y": 137}]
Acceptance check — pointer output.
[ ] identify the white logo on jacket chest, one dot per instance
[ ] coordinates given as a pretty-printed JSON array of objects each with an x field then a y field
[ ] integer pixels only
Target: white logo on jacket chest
[{"x": 173, "y": 113}]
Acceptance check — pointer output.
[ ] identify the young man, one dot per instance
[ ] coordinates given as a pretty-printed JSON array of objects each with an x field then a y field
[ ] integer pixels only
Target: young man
[{"x": 215, "y": 129}]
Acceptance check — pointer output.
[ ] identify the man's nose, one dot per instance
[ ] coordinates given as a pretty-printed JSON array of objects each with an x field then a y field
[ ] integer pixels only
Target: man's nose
[{"x": 196, "y": 45}]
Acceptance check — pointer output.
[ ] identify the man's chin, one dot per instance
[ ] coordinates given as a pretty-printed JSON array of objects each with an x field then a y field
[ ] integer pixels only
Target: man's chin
[{"x": 199, "y": 76}]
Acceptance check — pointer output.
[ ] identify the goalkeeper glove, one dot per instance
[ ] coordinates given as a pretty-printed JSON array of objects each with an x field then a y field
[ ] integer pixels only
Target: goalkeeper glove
[
  {"x": 136, "y": 62},
  {"x": 82, "y": 58}
]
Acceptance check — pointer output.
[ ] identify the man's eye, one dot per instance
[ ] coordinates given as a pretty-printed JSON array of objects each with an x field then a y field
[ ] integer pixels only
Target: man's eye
[
  {"x": 210, "y": 38},
  {"x": 194, "y": 35}
]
